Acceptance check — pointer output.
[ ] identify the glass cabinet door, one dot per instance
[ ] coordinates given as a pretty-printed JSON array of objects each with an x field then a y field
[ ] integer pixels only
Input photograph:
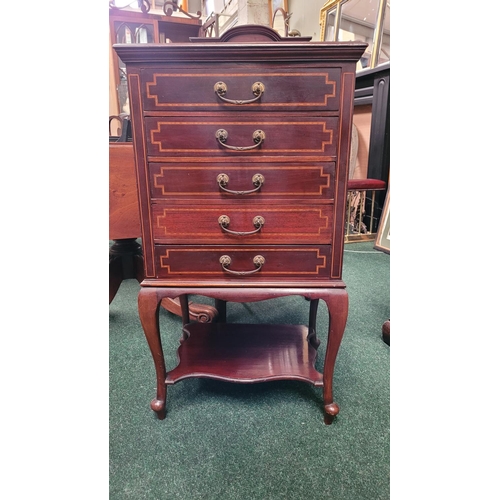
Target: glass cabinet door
[{"x": 129, "y": 32}]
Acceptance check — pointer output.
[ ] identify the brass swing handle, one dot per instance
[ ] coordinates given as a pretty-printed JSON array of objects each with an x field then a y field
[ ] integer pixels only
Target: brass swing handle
[
  {"x": 258, "y": 138},
  {"x": 220, "y": 89},
  {"x": 223, "y": 180},
  {"x": 258, "y": 221},
  {"x": 258, "y": 261}
]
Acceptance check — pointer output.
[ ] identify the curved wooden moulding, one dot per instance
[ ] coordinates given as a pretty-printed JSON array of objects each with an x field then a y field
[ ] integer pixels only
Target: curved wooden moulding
[
  {"x": 250, "y": 33},
  {"x": 197, "y": 312}
]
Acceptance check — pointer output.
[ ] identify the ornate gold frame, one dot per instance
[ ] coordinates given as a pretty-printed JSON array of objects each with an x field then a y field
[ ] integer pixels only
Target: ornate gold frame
[
  {"x": 378, "y": 28},
  {"x": 383, "y": 240},
  {"x": 329, "y": 5}
]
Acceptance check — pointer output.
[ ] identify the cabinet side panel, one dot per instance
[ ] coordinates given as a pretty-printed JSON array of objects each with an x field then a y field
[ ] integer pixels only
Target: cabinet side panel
[
  {"x": 141, "y": 172},
  {"x": 344, "y": 146}
]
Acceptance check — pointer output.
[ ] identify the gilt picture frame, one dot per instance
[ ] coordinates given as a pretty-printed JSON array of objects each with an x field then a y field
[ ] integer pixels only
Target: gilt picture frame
[
  {"x": 328, "y": 7},
  {"x": 383, "y": 239}
]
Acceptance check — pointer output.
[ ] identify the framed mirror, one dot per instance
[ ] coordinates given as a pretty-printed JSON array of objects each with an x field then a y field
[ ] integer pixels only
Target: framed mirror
[{"x": 360, "y": 20}]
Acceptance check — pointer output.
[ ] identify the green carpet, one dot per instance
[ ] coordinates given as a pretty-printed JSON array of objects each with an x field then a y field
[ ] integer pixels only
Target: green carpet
[{"x": 263, "y": 441}]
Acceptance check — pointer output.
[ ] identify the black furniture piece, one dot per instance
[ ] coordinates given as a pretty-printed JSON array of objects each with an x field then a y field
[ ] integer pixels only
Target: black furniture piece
[{"x": 372, "y": 87}]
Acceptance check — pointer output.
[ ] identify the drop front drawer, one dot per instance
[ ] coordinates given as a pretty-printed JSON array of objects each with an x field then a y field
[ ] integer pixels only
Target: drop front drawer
[
  {"x": 242, "y": 182},
  {"x": 223, "y": 136},
  {"x": 312, "y": 261},
  {"x": 250, "y": 225},
  {"x": 266, "y": 89}
]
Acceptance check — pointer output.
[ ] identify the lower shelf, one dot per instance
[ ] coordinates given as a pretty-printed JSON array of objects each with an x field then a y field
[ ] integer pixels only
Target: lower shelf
[{"x": 246, "y": 353}]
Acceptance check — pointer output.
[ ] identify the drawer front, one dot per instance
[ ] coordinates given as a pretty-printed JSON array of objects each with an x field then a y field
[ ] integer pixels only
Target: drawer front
[
  {"x": 223, "y": 224},
  {"x": 308, "y": 89},
  {"x": 241, "y": 182},
  {"x": 251, "y": 136},
  {"x": 256, "y": 262}
]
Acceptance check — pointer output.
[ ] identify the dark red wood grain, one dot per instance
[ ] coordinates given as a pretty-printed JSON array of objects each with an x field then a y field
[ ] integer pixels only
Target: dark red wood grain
[
  {"x": 284, "y": 262},
  {"x": 242, "y": 353},
  {"x": 123, "y": 204},
  {"x": 285, "y": 89},
  {"x": 305, "y": 113},
  {"x": 284, "y": 136},
  {"x": 176, "y": 182},
  {"x": 283, "y": 224}
]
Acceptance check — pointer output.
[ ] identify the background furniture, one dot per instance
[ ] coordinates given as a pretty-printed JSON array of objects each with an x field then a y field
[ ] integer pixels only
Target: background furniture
[
  {"x": 125, "y": 255},
  {"x": 242, "y": 148},
  {"x": 361, "y": 223},
  {"x": 386, "y": 332},
  {"x": 120, "y": 128},
  {"x": 142, "y": 27},
  {"x": 373, "y": 88}
]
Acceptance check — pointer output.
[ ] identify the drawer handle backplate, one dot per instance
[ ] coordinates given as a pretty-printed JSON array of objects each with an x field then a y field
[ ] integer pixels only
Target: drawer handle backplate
[
  {"x": 258, "y": 138},
  {"x": 258, "y": 221},
  {"x": 258, "y": 261},
  {"x": 223, "y": 180},
  {"x": 220, "y": 89}
]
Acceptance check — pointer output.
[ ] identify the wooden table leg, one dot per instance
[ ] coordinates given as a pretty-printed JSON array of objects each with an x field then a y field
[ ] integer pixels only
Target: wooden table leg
[
  {"x": 313, "y": 311},
  {"x": 149, "y": 306},
  {"x": 386, "y": 332},
  {"x": 338, "y": 304},
  {"x": 221, "y": 306},
  {"x": 195, "y": 361}
]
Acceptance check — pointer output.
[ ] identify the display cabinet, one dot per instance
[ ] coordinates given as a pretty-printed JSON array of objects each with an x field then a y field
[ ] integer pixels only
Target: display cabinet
[
  {"x": 132, "y": 27},
  {"x": 241, "y": 150}
]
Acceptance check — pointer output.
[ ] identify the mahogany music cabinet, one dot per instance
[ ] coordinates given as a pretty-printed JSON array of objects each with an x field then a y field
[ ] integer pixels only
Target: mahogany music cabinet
[{"x": 241, "y": 149}]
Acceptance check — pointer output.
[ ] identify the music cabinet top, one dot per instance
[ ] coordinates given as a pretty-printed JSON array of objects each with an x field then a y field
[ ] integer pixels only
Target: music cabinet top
[
  {"x": 245, "y": 43},
  {"x": 241, "y": 52}
]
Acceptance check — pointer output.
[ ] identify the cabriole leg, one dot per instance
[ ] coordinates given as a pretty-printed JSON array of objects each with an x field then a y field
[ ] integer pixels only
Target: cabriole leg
[
  {"x": 220, "y": 305},
  {"x": 338, "y": 304},
  {"x": 313, "y": 312},
  {"x": 149, "y": 306}
]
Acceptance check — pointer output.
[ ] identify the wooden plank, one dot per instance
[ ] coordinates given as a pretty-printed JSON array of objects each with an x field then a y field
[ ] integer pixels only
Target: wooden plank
[{"x": 123, "y": 205}]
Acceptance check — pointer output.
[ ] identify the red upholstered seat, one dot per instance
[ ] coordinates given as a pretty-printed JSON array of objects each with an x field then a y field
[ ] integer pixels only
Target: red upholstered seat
[{"x": 366, "y": 185}]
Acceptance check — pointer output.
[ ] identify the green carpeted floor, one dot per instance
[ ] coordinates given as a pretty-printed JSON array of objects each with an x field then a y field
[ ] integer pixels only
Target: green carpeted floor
[{"x": 224, "y": 441}]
